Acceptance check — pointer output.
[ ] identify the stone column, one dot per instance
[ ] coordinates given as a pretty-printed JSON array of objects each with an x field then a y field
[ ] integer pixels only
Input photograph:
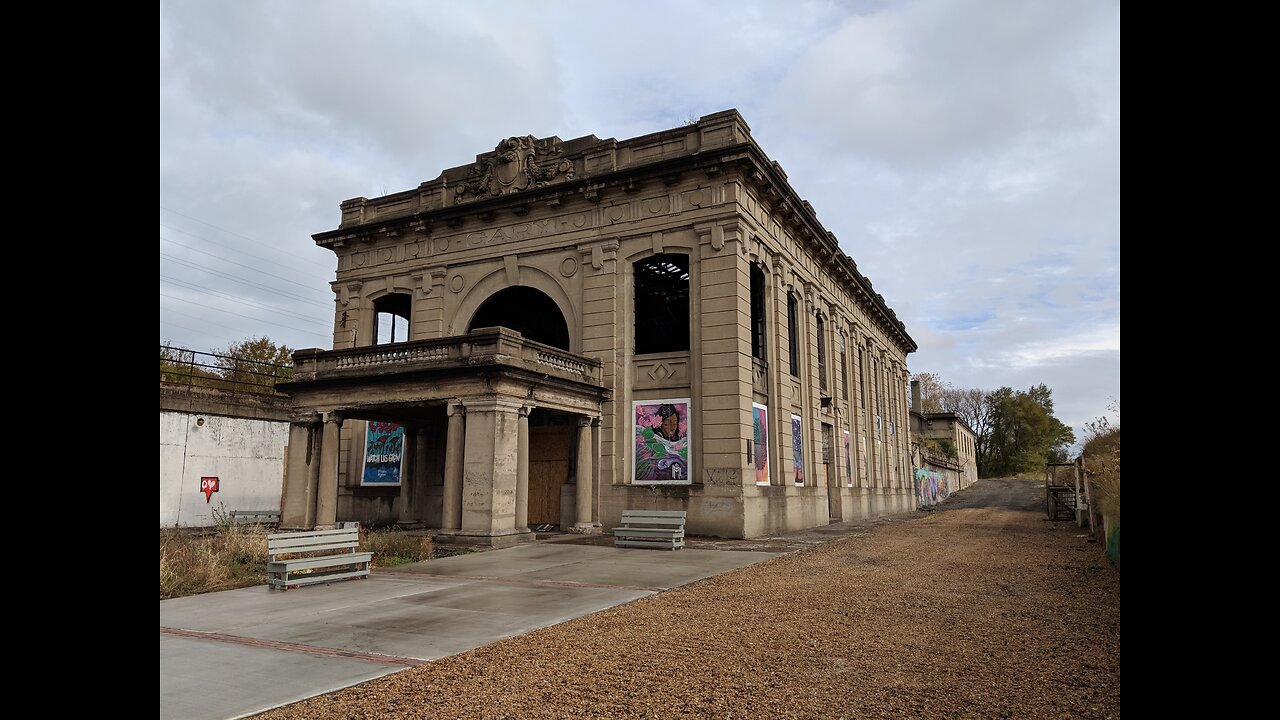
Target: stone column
[
  {"x": 409, "y": 480},
  {"x": 327, "y": 493},
  {"x": 454, "y": 454},
  {"x": 489, "y": 474},
  {"x": 298, "y": 506},
  {"x": 522, "y": 470},
  {"x": 583, "y": 478}
]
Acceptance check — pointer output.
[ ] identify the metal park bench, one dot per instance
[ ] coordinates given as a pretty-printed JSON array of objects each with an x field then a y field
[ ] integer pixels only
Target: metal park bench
[
  {"x": 651, "y": 529},
  {"x": 256, "y": 517},
  {"x": 326, "y": 556}
]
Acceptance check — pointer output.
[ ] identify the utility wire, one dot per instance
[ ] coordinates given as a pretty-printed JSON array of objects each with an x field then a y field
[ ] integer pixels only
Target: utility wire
[
  {"x": 233, "y": 298},
  {"x": 250, "y": 283},
  {"x": 248, "y": 267},
  {"x": 232, "y": 232}
]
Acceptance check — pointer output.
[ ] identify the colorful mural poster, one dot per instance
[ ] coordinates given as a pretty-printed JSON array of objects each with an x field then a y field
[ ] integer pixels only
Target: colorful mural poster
[
  {"x": 760, "y": 441},
  {"x": 866, "y": 466},
  {"x": 660, "y": 434},
  {"x": 797, "y": 449},
  {"x": 848, "y": 459},
  {"x": 383, "y": 453}
]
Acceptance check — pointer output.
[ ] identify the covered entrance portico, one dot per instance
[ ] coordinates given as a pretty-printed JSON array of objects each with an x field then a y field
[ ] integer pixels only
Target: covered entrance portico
[{"x": 465, "y": 402}]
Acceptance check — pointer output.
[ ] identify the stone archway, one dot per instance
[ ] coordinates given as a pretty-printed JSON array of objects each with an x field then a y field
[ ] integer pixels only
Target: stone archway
[{"x": 528, "y": 311}]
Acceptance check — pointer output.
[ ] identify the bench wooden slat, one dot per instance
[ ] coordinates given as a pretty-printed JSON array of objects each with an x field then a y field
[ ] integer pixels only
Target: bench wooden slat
[
  {"x": 314, "y": 579},
  {"x": 648, "y": 531},
  {"x": 317, "y": 562},
  {"x": 663, "y": 544},
  {"x": 278, "y": 548}
]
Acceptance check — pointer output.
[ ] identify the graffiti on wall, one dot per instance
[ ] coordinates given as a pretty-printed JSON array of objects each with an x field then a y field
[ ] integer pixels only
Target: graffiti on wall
[
  {"x": 383, "y": 453},
  {"x": 760, "y": 442},
  {"x": 660, "y": 436},
  {"x": 931, "y": 487}
]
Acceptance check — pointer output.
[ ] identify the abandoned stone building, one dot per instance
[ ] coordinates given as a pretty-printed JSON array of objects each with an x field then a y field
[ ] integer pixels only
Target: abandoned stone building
[
  {"x": 944, "y": 452},
  {"x": 563, "y": 330}
]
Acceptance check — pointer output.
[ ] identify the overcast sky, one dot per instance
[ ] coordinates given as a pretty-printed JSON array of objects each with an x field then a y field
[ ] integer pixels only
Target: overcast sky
[{"x": 965, "y": 153}]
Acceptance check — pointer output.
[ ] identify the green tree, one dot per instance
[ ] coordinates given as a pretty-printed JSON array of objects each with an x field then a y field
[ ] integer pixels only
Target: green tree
[
  {"x": 1023, "y": 432},
  {"x": 255, "y": 364}
]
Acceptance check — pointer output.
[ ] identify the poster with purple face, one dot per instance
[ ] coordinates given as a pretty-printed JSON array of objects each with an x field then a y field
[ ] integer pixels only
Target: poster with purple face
[
  {"x": 660, "y": 438},
  {"x": 797, "y": 449},
  {"x": 760, "y": 441}
]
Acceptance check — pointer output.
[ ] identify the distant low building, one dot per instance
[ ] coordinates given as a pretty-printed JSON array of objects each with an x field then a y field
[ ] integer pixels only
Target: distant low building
[
  {"x": 944, "y": 452},
  {"x": 563, "y": 330}
]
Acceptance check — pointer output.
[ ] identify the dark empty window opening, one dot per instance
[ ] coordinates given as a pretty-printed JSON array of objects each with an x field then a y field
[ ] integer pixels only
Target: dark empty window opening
[
  {"x": 391, "y": 313},
  {"x": 758, "y": 336},
  {"x": 793, "y": 333},
  {"x": 662, "y": 304},
  {"x": 822, "y": 355},
  {"x": 862, "y": 379},
  {"x": 843, "y": 347},
  {"x": 530, "y": 312}
]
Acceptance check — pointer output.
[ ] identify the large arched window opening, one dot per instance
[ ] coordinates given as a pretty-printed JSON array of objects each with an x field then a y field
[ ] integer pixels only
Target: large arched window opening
[
  {"x": 529, "y": 312},
  {"x": 391, "y": 314},
  {"x": 662, "y": 304}
]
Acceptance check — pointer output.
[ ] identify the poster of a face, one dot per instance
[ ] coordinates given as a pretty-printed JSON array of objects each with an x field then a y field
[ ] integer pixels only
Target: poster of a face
[
  {"x": 660, "y": 433},
  {"x": 760, "y": 441},
  {"x": 797, "y": 449},
  {"x": 383, "y": 452},
  {"x": 848, "y": 459}
]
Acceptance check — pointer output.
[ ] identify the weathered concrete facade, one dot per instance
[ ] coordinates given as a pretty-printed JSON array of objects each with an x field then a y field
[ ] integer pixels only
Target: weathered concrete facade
[{"x": 504, "y": 430}]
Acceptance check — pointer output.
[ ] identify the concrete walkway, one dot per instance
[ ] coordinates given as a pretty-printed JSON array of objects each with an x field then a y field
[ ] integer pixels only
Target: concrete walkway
[{"x": 229, "y": 654}]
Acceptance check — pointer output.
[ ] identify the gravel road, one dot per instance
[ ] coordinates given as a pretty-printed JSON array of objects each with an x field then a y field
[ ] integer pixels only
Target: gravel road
[{"x": 980, "y": 609}]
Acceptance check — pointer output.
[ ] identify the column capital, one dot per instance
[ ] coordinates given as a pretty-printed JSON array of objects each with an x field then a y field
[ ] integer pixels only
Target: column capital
[
  {"x": 306, "y": 418},
  {"x": 525, "y": 410},
  {"x": 333, "y": 417},
  {"x": 455, "y": 407}
]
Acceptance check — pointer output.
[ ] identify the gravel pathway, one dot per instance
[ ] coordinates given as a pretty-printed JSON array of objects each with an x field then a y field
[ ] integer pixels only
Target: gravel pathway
[{"x": 981, "y": 609}]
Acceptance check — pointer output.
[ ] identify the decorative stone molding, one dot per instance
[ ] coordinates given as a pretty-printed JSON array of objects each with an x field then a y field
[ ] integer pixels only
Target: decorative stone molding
[{"x": 517, "y": 163}]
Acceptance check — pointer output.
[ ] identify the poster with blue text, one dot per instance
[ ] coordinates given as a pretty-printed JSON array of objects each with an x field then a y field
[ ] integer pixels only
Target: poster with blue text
[{"x": 383, "y": 454}]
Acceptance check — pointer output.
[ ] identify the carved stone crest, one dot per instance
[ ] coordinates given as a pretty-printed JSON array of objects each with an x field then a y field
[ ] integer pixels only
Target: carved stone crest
[{"x": 518, "y": 163}]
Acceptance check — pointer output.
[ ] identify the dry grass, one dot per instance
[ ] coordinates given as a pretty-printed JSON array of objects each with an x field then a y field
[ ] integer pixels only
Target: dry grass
[
  {"x": 236, "y": 556},
  {"x": 395, "y": 548},
  {"x": 1102, "y": 461},
  {"x": 231, "y": 558}
]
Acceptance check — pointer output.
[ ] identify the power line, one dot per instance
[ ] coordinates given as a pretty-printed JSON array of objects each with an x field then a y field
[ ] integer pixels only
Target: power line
[
  {"x": 233, "y": 232},
  {"x": 236, "y": 249},
  {"x": 246, "y": 317},
  {"x": 233, "y": 298},
  {"x": 248, "y": 267},
  {"x": 250, "y": 283}
]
